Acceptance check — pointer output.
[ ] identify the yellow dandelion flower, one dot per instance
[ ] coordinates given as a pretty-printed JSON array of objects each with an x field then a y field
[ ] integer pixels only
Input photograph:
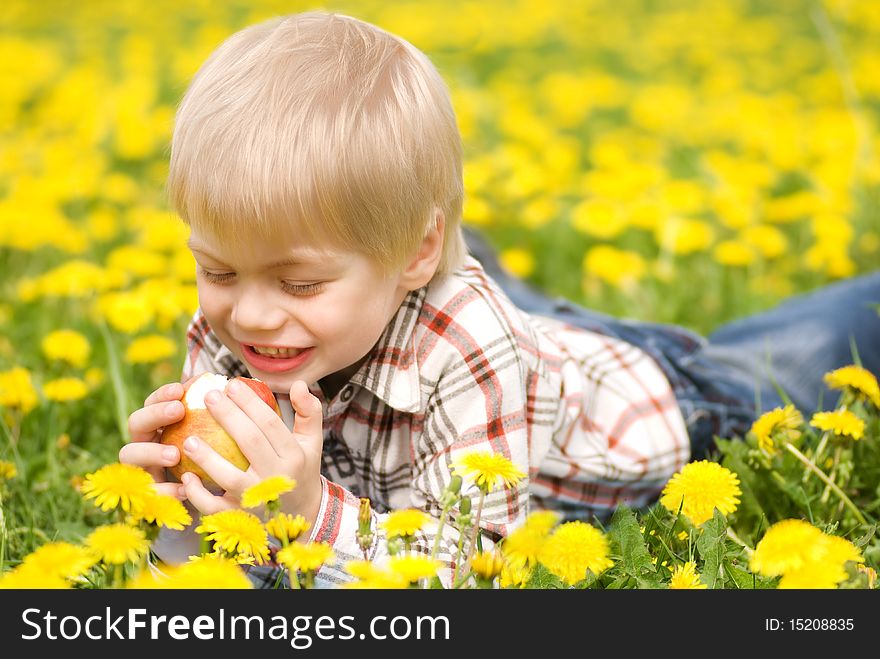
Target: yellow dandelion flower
[
  {"x": 266, "y": 491},
  {"x": 95, "y": 377},
  {"x": 8, "y": 470},
  {"x": 17, "y": 390},
  {"x": 65, "y": 390},
  {"x": 369, "y": 575},
  {"x": 209, "y": 571},
  {"x": 857, "y": 380},
  {"x": 151, "y": 348},
  {"x": 284, "y": 525},
  {"x": 118, "y": 543},
  {"x": 517, "y": 261},
  {"x": 68, "y": 346},
  {"x": 699, "y": 488},
  {"x": 787, "y": 546},
  {"x": 404, "y": 523},
  {"x": 123, "y": 485},
  {"x": 683, "y": 535},
  {"x": 686, "y": 577},
  {"x": 487, "y": 564},
  {"x": 32, "y": 577},
  {"x": 63, "y": 559},
  {"x": 412, "y": 567},
  {"x": 814, "y": 575},
  {"x": 840, "y": 550},
  {"x": 487, "y": 470},
  {"x": 522, "y": 546},
  {"x": 572, "y": 549},
  {"x": 163, "y": 510},
  {"x": 308, "y": 557},
  {"x": 779, "y": 424},
  {"x": 514, "y": 575},
  {"x": 840, "y": 422},
  {"x": 236, "y": 532}
]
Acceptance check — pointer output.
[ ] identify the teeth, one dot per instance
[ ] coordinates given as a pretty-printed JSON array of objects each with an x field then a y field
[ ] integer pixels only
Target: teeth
[{"x": 276, "y": 352}]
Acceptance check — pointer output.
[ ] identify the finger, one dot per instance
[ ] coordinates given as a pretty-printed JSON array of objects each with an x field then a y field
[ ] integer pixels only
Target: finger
[
  {"x": 267, "y": 420},
  {"x": 205, "y": 502},
  {"x": 308, "y": 424},
  {"x": 150, "y": 456},
  {"x": 175, "y": 490},
  {"x": 244, "y": 430},
  {"x": 170, "y": 391},
  {"x": 144, "y": 424},
  {"x": 224, "y": 473}
]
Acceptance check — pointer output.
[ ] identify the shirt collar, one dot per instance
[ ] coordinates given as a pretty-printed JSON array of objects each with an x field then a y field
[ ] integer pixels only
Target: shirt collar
[{"x": 391, "y": 371}]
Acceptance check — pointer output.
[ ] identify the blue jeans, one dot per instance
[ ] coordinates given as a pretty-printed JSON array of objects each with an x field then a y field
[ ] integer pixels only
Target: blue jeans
[{"x": 724, "y": 381}]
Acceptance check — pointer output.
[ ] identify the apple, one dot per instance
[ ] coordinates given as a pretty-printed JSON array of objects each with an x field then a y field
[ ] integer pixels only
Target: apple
[{"x": 198, "y": 421}]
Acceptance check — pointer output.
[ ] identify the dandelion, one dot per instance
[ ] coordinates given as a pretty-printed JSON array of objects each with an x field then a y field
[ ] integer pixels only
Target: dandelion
[
  {"x": 148, "y": 349},
  {"x": 8, "y": 470},
  {"x": 370, "y": 576},
  {"x": 17, "y": 390},
  {"x": 487, "y": 470},
  {"x": 209, "y": 571},
  {"x": 116, "y": 544},
  {"x": 286, "y": 527},
  {"x": 685, "y": 577},
  {"x": 859, "y": 381},
  {"x": 266, "y": 491},
  {"x": 523, "y": 545},
  {"x": 517, "y": 261},
  {"x": 305, "y": 557},
  {"x": 840, "y": 422},
  {"x": 514, "y": 576},
  {"x": 236, "y": 532},
  {"x": 32, "y": 577},
  {"x": 487, "y": 564},
  {"x": 405, "y": 523},
  {"x": 413, "y": 567},
  {"x": 61, "y": 559},
  {"x": 699, "y": 488},
  {"x": 573, "y": 549},
  {"x": 66, "y": 345},
  {"x": 803, "y": 555},
  {"x": 780, "y": 424},
  {"x": 65, "y": 390},
  {"x": 123, "y": 485},
  {"x": 163, "y": 510}
]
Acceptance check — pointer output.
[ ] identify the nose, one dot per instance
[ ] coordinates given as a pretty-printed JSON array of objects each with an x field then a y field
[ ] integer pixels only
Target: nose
[{"x": 256, "y": 310}]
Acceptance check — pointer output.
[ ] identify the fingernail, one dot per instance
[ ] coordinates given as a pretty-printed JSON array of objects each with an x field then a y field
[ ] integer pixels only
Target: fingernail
[
  {"x": 235, "y": 386},
  {"x": 181, "y": 492},
  {"x": 212, "y": 397},
  {"x": 172, "y": 409},
  {"x": 169, "y": 453},
  {"x": 191, "y": 444},
  {"x": 186, "y": 478}
]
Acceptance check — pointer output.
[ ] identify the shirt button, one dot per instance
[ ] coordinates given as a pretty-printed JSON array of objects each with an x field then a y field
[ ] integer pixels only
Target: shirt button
[{"x": 346, "y": 394}]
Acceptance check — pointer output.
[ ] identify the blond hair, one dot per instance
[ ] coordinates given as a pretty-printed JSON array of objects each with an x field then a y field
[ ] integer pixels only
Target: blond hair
[{"x": 322, "y": 124}]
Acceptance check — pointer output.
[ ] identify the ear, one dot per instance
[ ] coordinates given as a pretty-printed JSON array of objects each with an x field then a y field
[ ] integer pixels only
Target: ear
[{"x": 422, "y": 267}]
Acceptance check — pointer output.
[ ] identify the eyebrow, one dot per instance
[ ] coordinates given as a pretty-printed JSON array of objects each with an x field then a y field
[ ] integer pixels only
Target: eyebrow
[{"x": 293, "y": 260}]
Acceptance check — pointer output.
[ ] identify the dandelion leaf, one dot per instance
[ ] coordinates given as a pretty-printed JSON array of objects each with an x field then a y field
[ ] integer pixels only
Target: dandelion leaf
[
  {"x": 629, "y": 543},
  {"x": 711, "y": 546}
]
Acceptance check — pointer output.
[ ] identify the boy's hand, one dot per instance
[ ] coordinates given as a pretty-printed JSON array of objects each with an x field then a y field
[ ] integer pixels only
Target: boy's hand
[
  {"x": 268, "y": 445},
  {"x": 161, "y": 408}
]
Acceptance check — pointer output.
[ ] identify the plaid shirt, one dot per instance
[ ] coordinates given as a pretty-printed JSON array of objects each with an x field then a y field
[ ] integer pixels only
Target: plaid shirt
[{"x": 592, "y": 420}]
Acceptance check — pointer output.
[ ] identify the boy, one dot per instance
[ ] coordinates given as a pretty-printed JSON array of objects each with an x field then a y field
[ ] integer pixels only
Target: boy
[{"x": 317, "y": 162}]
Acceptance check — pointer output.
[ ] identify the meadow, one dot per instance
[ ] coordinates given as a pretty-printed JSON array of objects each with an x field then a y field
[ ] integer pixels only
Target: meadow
[{"x": 689, "y": 161}]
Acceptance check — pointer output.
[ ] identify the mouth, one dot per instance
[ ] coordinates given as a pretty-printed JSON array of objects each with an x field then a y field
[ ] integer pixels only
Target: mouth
[
  {"x": 272, "y": 359},
  {"x": 275, "y": 352}
]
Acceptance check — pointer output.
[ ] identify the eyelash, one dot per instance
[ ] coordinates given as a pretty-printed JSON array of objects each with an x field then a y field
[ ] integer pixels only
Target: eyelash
[{"x": 293, "y": 289}]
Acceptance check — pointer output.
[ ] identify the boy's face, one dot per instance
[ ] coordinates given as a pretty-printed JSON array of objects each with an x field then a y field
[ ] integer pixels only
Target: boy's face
[{"x": 323, "y": 308}]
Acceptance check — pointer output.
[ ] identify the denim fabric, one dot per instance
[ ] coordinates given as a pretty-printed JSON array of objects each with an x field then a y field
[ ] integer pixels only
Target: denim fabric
[{"x": 724, "y": 381}]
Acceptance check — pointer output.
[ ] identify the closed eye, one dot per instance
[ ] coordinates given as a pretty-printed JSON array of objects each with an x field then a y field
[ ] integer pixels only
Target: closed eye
[
  {"x": 302, "y": 289},
  {"x": 217, "y": 277}
]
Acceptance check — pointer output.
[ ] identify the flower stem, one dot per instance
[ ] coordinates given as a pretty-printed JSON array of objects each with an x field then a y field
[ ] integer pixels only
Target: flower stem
[
  {"x": 832, "y": 475},
  {"x": 443, "y": 516},
  {"x": 473, "y": 539},
  {"x": 817, "y": 456},
  {"x": 821, "y": 474}
]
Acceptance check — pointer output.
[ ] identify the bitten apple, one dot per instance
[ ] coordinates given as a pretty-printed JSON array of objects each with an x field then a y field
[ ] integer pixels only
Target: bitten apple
[{"x": 198, "y": 421}]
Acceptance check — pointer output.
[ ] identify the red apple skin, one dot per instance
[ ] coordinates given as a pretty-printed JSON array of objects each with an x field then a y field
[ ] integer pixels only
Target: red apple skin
[{"x": 200, "y": 423}]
